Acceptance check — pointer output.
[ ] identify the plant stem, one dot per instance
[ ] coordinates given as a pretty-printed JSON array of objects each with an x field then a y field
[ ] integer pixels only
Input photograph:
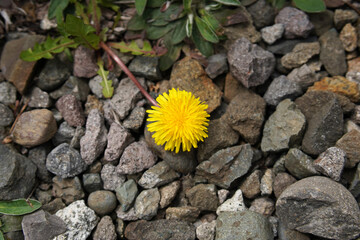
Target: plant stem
[{"x": 130, "y": 75}]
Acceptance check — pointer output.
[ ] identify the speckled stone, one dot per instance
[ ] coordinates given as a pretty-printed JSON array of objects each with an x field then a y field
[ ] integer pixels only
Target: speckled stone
[
  {"x": 331, "y": 163},
  {"x": 348, "y": 37},
  {"x": 71, "y": 110},
  {"x": 350, "y": 143}
]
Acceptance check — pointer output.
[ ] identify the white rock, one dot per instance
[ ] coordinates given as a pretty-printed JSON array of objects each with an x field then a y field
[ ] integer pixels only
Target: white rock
[
  {"x": 206, "y": 231},
  {"x": 234, "y": 204},
  {"x": 272, "y": 33},
  {"x": 80, "y": 221},
  {"x": 266, "y": 185}
]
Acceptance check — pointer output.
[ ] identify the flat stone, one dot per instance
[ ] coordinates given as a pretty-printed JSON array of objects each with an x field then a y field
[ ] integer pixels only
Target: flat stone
[
  {"x": 303, "y": 76},
  {"x": 136, "y": 158},
  {"x": 69, "y": 189},
  {"x": 158, "y": 175},
  {"x": 102, "y": 202},
  {"x": 281, "y": 88},
  {"x": 262, "y": 13},
  {"x": 34, "y": 128},
  {"x": 320, "y": 206},
  {"x": 42, "y": 225},
  {"x": 93, "y": 143},
  {"x": 147, "y": 203},
  {"x": 91, "y": 182},
  {"x": 281, "y": 182},
  {"x": 217, "y": 65},
  {"x": 105, "y": 230},
  {"x": 203, "y": 196},
  {"x": 251, "y": 185},
  {"x": 272, "y": 33},
  {"x": 249, "y": 63},
  {"x": 348, "y": 37},
  {"x": 14, "y": 69},
  {"x": 84, "y": 62},
  {"x": 6, "y": 116},
  {"x": 135, "y": 120},
  {"x": 111, "y": 178},
  {"x": 331, "y": 163},
  {"x": 17, "y": 175},
  {"x": 160, "y": 229},
  {"x": 189, "y": 75},
  {"x": 350, "y": 144},
  {"x": 226, "y": 165},
  {"x": 264, "y": 206},
  {"x": 74, "y": 86},
  {"x": 80, "y": 221},
  {"x": 168, "y": 193},
  {"x": 53, "y": 75},
  {"x": 233, "y": 204},
  {"x": 301, "y": 53},
  {"x": 38, "y": 98},
  {"x": 7, "y": 93},
  {"x": 332, "y": 53},
  {"x": 299, "y": 164},
  {"x": 296, "y": 22},
  {"x": 65, "y": 161},
  {"x": 126, "y": 194},
  {"x": 344, "y": 16},
  {"x": 284, "y": 128},
  {"x": 186, "y": 213},
  {"x": 243, "y": 225},
  {"x": 146, "y": 67},
  {"x": 246, "y": 114},
  {"x": 283, "y": 47},
  {"x": 71, "y": 110}
]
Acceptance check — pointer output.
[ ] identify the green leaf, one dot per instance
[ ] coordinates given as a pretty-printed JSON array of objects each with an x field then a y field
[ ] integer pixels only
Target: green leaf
[
  {"x": 278, "y": 3},
  {"x": 84, "y": 34},
  {"x": 229, "y": 2},
  {"x": 167, "y": 60},
  {"x": 155, "y": 3},
  {"x": 109, "y": 4},
  {"x": 205, "y": 30},
  {"x": 19, "y": 206},
  {"x": 56, "y": 7},
  {"x": 136, "y": 23},
  {"x": 134, "y": 48},
  {"x": 204, "y": 46},
  {"x": 210, "y": 20},
  {"x": 311, "y": 6},
  {"x": 179, "y": 32},
  {"x": 140, "y": 6},
  {"x": 154, "y": 32},
  {"x": 187, "y": 5},
  {"x": 108, "y": 89},
  {"x": 1, "y": 236},
  {"x": 10, "y": 223}
]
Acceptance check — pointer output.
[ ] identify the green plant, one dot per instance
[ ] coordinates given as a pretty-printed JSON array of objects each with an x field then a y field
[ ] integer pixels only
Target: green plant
[
  {"x": 16, "y": 207},
  {"x": 310, "y": 6}
]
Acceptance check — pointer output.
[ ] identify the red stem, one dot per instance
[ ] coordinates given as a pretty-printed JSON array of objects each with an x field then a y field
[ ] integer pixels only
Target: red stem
[{"x": 130, "y": 75}]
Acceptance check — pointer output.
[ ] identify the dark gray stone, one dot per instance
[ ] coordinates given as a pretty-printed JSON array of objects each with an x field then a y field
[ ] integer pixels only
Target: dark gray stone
[
  {"x": 91, "y": 182},
  {"x": 262, "y": 13},
  {"x": 126, "y": 194},
  {"x": 299, "y": 164},
  {"x": 38, "y": 98},
  {"x": 320, "y": 206},
  {"x": 42, "y": 225},
  {"x": 217, "y": 64},
  {"x": 249, "y": 63},
  {"x": 7, "y": 93},
  {"x": 323, "y": 21},
  {"x": 283, "y": 47},
  {"x": 146, "y": 67},
  {"x": 136, "y": 119},
  {"x": 290, "y": 234},
  {"x": 74, "y": 86},
  {"x": 102, "y": 202},
  {"x": 38, "y": 156},
  {"x": 64, "y": 134},
  {"x": 354, "y": 187},
  {"x": 6, "y": 116},
  {"x": 53, "y": 75}
]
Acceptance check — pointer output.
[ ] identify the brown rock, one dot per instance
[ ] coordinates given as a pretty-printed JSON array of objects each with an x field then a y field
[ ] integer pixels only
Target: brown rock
[
  {"x": 14, "y": 69},
  {"x": 232, "y": 88},
  {"x": 69, "y": 189},
  {"x": 168, "y": 193},
  {"x": 354, "y": 65},
  {"x": 251, "y": 186},
  {"x": 340, "y": 85},
  {"x": 348, "y": 37},
  {"x": 334, "y": 3},
  {"x": 186, "y": 213},
  {"x": 281, "y": 182},
  {"x": 93, "y": 102},
  {"x": 203, "y": 196},
  {"x": 188, "y": 75},
  {"x": 34, "y": 128},
  {"x": 350, "y": 143}
]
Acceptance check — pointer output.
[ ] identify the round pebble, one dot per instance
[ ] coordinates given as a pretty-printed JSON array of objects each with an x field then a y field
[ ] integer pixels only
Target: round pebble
[{"x": 102, "y": 202}]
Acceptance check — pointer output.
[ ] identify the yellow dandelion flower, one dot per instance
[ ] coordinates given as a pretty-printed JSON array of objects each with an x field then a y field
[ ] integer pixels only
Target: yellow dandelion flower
[{"x": 179, "y": 119}]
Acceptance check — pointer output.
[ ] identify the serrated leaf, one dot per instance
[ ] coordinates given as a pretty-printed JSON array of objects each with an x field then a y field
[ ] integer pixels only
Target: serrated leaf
[
  {"x": 205, "y": 30},
  {"x": 136, "y": 23},
  {"x": 56, "y": 7},
  {"x": 19, "y": 206},
  {"x": 204, "y": 46},
  {"x": 84, "y": 34},
  {"x": 312, "y": 6},
  {"x": 179, "y": 32},
  {"x": 134, "y": 49},
  {"x": 167, "y": 60},
  {"x": 229, "y": 2},
  {"x": 140, "y": 6},
  {"x": 108, "y": 89}
]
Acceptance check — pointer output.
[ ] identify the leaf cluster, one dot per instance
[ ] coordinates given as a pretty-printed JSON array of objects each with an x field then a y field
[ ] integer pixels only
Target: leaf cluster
[{"x": 310, "y": 6}]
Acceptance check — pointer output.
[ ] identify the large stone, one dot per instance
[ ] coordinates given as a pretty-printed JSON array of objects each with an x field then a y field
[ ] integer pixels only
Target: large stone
[
  {"x": 188, "y": 75},
  {"x": 111, "y": 178},
  {"x": 262, "y": 13},
  {"x": 320, "y": 206},
  {"x": 34, "y": 128},
  {"x": 301, "y": 53},
  {"x": 226, "y": 165},
  {"x": 350, "y": 144},
  {"x": 249, "y": 63},
  {"x": 38, "y": 98},
  {"x": 17, "y": 175},
  {"x": 246, "y": 115},
  {"x": 284, "y": 128},
  {"x": 14, "y": 69}
]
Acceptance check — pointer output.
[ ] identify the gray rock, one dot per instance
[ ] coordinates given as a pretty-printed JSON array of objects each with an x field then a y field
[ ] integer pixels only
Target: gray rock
[
  {"x": 158, "y": 175},
  {"x": 168, "y": 193},
  {"x": 320, "y": 206},
  {"x": 38, "y": 98},
  {"x": 217, "y": 64},
  {"x": 135, "y": 120},
  {"x": 53, "y": 75},
  {"x": 350, "y": 143},
  {"x": 303, "y": 76},
  {"x": 243, "y": 225},
  {"x": 246, "y": 115},
  {"x": 147, "y": 203},
  {"x": 74, "y": 86},
  {"x": 80, "y": 221},
  {"x": 64, "y": 134},
  {"x": 96, "y": 88},
  {"x": 290, "y": 234},
  {"x": 332, "y": 53},
  {"x": 126, "y": 194},
  {"x": 117, "y": 140},
  {"x": 301, "y": 53},
  {"x": 7, "y": 93},
  {"x": 130, "y": 215},
  {"x": 331, "y": 163},
  {"x": 272, "y": 33},
  {"x": 75, "y": 141},
  {"x": 344, "y": 16},
  {"x": 42, "y": 225},
  {"x": 204, "y": 197},
  {"x": 102, "y": 202},
  {"x": 146, "y": 67},
  {"x": 324, "y": 119},
  {"x": 71, "y": 110},
  {"x": 283, "y": 47},
  {"x": 262, "y": 13},
  {"x": 284, "y": 128},
  {"x": 125, "y": 97},
  {"x": 54, "y": 206},
  {"x": 160, "y": 229},
  {"x": 281, "y": 182},
  {"x": 354, "y": 187},
  {"x": 249, "y": 63},
  {"x": 91, "y": 182},
  {"x": 299, "y": 164},
  {"x": 206, "y": 230},
  {"x": 111, "y": 178},
  {"x": 85, "y": 62},
  {"x": 38, "y": 156},
  {"x": 233, "y": 204},
  {"x": 296, "y": 22},
  {"x": 280, "y": 89},
  {"x": 93, "y": 143},
  {"x": 17, "y": 175},
  {"x": 136, "y": 158},
  {"x": 226, "y": 165},
  {"x": 69, "y": 189},
  {"x": 105, "y": 230},
  {"x": 65, "y": 161},
  {"x": 6, "y": 116},
  {"x": 323, "y": 21}
]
